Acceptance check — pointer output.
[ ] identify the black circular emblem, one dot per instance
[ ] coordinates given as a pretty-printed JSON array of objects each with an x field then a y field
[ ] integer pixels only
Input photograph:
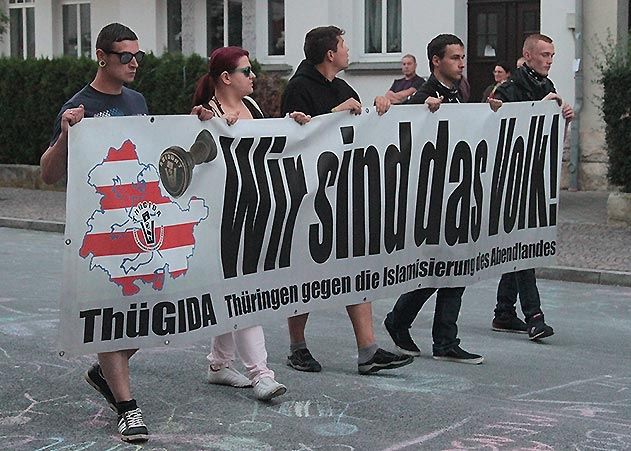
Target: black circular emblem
[
  {"x": 176, "y": 164},
  {"x": 175, "y": 170}
]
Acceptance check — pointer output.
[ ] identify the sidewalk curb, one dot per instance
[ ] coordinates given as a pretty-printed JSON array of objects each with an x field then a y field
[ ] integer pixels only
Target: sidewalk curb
[
  {"x": 581, "y": 275},
  {"x": 32, "y": 224},
  {"x": 563, "y": 273}
]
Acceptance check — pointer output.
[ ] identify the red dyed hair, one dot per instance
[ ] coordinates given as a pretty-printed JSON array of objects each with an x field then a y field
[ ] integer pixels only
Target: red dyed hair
[{"x": 223, "y": 59}]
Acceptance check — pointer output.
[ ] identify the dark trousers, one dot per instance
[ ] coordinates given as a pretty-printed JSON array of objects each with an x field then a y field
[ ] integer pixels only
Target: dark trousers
[
  {"x": 444, "y": 329},
  {"x": 524, "y": 284}
]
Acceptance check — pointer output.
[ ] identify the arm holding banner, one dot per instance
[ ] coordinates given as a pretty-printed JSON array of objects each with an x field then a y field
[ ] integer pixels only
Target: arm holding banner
[
  {"x": 202, "y": 113},
  {"x": 433, "y": 103},
  {"x": 300, "y": 117},
  {"x": 383, "y": 104},
  {"x": 54, "y": 161},
  {"x": 566, "y": 109},
  {"x": 351, "y": 104}
]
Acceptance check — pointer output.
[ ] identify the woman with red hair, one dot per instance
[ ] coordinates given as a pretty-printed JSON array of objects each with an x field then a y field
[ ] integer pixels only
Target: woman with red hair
[{"x": 225, "y": 90}]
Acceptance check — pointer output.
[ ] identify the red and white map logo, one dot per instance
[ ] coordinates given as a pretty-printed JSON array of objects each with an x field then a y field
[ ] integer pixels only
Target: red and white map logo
[{"x": 138, "y": 234}]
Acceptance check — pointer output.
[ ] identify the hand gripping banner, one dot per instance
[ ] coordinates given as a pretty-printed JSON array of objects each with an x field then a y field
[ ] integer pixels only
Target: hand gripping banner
[{"x": 178, "y": 229}]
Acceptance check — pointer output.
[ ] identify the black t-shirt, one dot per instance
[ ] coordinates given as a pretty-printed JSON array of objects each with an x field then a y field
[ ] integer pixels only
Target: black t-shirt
[
  {"x": 98, "y": 104},
  {"x": 311, "y": 93}
]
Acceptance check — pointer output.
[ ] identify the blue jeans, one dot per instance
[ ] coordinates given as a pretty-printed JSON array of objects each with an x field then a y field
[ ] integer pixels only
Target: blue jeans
[
  {"x": 444, "y": 328},
  {"x": 524, "y": 284}
]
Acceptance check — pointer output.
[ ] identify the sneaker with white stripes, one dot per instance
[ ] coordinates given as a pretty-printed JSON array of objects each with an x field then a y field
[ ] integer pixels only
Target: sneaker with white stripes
[{"x": 131, "y": 427}]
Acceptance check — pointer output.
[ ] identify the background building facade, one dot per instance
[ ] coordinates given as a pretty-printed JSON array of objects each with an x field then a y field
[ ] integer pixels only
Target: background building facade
[{"x": 378, "y": 32}]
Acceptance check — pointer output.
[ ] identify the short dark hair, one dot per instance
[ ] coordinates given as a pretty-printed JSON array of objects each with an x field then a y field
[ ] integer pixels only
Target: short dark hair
[
  {"x": 438, "y": 47},
  {"x": 504, "y": 66},
  {"x": 114, "y": 32},
  {"x": 319, "y": 41}
]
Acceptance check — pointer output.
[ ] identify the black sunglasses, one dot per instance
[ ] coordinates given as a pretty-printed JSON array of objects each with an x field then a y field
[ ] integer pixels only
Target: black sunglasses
[
  {"x": 125, "y": 57},
  {"x": 247, "y": 71}
]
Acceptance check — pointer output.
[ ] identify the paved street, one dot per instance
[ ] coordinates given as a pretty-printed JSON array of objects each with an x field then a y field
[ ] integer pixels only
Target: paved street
[{"x": 572, "y": 391}]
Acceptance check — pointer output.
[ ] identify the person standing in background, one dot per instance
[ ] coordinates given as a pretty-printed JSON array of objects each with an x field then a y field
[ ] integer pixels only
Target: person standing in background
[{"x": 404, "y": 87}]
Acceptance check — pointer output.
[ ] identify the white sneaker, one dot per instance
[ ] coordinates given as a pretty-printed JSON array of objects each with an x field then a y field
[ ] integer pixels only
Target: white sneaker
[
  {"x": 267, "y": 388},
  {"x": 228, "y": 376}
]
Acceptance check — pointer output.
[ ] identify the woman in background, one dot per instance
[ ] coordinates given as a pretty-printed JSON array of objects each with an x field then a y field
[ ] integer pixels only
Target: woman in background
[{"x": 501, "y": 73}]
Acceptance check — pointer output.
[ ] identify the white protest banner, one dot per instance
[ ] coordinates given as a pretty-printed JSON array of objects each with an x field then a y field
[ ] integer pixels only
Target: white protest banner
[{"x": 179, "y": 229}]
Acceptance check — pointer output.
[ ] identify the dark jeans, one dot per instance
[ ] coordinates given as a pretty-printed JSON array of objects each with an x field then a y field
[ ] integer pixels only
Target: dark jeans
[
  {"x": 444, "y": 329},
  {"x": 524, "y": 284}
]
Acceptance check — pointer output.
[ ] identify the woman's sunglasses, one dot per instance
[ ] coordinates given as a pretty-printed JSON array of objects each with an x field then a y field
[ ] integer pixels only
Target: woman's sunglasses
[
  {"x": 247, "y": 71},
  {"x": 125, "y": 57}
]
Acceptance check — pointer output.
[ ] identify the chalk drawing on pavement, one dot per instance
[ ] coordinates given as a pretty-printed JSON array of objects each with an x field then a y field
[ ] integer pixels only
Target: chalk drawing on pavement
[
  {"x": 431, "y": 383},
  {"x": 250, "y": 425},
  {"x": 25, "y": 415}
]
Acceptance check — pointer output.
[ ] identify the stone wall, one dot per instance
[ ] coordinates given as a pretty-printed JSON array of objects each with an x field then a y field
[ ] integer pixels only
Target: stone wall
[{"x": 26, "y": 176}]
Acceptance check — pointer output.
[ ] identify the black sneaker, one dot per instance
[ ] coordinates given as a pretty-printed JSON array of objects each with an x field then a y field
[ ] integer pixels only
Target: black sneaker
[
  {"x": 131, "y": 427},
  {"x": 95, "y": 378},
  {"x": 509, "y": 324},
  {"x": 384, "y": 360},
  {"x": 402, "y": 338},
  {"x": 458, "y": 354},
  {"x": 537, "y": 328},
  {"x": 302, "y": 360}
]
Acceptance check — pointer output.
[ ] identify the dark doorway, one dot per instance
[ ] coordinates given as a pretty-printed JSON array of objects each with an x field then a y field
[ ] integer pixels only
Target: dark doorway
[{"x": 497, "y": 29}]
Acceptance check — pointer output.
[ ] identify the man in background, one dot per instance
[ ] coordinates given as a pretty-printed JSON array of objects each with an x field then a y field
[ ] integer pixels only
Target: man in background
[{"x": 402, "y": 88}]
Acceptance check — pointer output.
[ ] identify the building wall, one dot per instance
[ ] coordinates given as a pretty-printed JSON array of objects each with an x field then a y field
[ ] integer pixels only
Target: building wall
[
  {"x": 421, "y": 20},
  {"x": 602, "y": 19},
  {"x": 303, "y": 15}
]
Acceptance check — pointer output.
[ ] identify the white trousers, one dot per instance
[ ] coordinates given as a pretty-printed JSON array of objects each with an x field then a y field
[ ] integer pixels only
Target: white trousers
[{"x": 249, "y": 343}]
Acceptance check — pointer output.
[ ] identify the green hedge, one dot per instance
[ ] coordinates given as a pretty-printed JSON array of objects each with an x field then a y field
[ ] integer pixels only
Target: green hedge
[
  {"x": 33, "y": 90},
  {"x": 616, "y": 110}
]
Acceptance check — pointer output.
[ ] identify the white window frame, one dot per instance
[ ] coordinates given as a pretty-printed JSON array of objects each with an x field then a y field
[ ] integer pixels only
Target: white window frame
[
  {"x": 226, "y": 23},
  {"x": 384, "y": 55},
  {"x": 166, "y": 29},
  {"x": 77, "y": 4},
  {"x": 23, "y": 5},
  {"x": 267, "y": 31}
]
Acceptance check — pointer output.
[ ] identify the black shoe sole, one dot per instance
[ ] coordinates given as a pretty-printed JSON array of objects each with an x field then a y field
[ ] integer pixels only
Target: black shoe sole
[
  {"x": 475, "y": 361},
  {"x": 87, "y": 378},
  {"x": 410, "y": 353},
  {"x": 306, "y": 369},
  {"x": 541, "y": 335},
  {"x": 399, "y": 348},
  {"x": 511, "y": 331},
  {"x": 388, "y": 366},
  {"x": 138, "y": 438}
]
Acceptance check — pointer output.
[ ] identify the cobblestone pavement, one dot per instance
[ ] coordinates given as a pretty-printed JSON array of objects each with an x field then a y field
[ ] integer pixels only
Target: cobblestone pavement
[{"x": 585, "y": 239}]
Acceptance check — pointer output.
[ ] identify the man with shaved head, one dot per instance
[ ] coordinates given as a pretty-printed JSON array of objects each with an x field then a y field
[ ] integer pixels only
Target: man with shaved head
[{"x": 528, "y": 82}]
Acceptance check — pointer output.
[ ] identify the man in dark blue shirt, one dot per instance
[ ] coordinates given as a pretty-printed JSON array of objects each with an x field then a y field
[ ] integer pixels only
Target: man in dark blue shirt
[
  {"x": 118, "y": 54},
  {"x": 404, "y": 87}
]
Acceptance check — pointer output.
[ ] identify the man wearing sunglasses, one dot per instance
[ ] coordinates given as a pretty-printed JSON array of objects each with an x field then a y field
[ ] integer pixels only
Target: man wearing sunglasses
[{"x": 118, "y": 55}]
